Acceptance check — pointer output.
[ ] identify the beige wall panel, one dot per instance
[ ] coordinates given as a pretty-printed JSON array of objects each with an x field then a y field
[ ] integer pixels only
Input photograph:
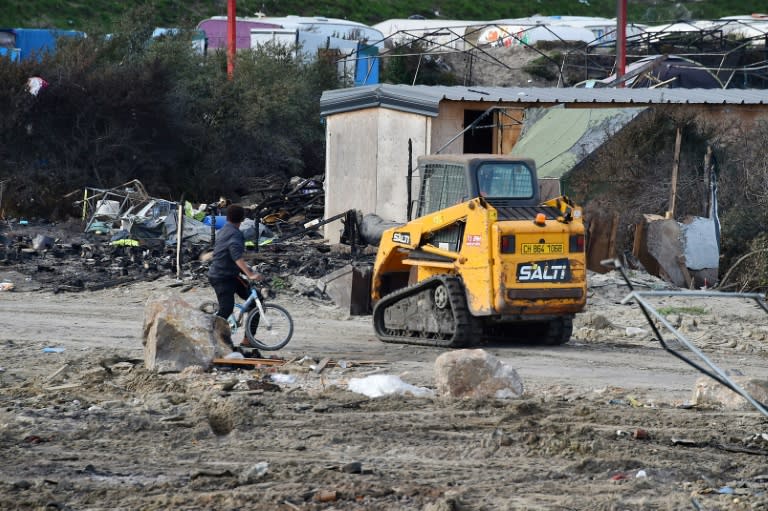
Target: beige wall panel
[
  {"x": 448, "y": 124},
  {"x": 350, "y": 165},
  {"x": 395, "y": 128}
]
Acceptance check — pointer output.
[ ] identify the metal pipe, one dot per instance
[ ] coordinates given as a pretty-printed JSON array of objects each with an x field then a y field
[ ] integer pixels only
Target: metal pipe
[{"x": 647, "y": 307}]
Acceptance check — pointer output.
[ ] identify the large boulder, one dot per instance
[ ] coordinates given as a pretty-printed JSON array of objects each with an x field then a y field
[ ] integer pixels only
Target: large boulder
[
  {"x": 178, "y": 335},
  {"x": 475, "y": 374},
  {"x": 707, "y": 391}
]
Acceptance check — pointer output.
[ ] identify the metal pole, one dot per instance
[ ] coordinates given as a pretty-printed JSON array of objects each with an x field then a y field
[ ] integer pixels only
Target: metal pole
[
  {"x": 231, "y": 38},
  {"x": 621, "y": 39},
  {"x": 410, "y": 177},
  {"x": 179, "y": 234}
]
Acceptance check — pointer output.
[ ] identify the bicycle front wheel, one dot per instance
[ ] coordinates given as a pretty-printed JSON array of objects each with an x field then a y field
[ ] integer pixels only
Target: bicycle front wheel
[{"x": 271, "y": 332}]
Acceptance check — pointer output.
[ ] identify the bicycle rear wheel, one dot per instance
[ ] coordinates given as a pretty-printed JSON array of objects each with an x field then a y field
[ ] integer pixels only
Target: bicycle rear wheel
[{"x": 271, "y": 332}]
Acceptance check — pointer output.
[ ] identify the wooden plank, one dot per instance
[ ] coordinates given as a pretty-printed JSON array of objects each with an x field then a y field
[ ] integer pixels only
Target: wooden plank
[
  {"x": 352, "y": 363},
  {"x": 612, "y": 236},
  {"x": 66, "y": 386},
  {"x": 675, "y": 167},
  {"x": 249, "y": 361},
  {"x": 324, "y": 362}
]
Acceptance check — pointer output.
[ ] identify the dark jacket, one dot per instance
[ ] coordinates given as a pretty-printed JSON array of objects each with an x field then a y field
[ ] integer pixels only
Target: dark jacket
[{"x": 230, "y": 246}]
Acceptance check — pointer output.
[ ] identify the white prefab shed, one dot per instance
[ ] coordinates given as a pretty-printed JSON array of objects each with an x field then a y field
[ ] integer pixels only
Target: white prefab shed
[{"x": 368, "y": 130}]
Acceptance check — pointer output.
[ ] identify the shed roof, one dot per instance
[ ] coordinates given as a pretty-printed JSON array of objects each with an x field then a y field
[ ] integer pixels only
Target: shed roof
[{"x": 425, "y": 99}]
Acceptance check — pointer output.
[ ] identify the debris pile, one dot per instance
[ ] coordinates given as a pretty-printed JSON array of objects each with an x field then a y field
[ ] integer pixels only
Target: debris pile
[{"x": 126, "y": 235}]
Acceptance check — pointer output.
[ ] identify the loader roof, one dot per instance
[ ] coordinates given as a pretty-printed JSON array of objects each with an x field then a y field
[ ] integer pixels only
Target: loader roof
[{"x": 463, "y": 159}]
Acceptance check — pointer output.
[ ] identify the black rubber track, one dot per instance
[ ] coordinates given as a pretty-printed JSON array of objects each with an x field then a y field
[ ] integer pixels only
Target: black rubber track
[{"x": 465, "y": 328}]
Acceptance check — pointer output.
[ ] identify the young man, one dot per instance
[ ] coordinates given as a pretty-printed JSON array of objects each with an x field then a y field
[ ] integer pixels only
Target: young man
[{"x": 228, "y": 263}]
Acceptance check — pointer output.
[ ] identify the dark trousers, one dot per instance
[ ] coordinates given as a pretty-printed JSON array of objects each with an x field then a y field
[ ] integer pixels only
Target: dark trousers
[{"x": 225, "y": 293}]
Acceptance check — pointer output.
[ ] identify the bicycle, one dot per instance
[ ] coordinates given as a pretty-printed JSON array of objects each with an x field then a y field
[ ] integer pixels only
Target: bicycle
[{"x": 268, "y": 326}]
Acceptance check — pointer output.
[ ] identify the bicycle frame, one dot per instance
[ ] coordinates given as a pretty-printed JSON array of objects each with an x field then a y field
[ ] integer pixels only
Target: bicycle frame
[{"x": 240, "y": 308}]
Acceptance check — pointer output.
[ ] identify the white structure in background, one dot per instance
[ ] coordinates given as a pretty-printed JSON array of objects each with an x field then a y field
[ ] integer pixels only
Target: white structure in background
[
  {"x": 197, "y": 36},
  {"x": 463, "y": 35},
  {"x": 753, "y": 27},
  {"x": 437, "y": 34},
  {"x": 659, "y": 32},
  {"x": 508, "y": 33},
  {"x": 590, "y": 30},
  {"x": 317, "y": 32}
]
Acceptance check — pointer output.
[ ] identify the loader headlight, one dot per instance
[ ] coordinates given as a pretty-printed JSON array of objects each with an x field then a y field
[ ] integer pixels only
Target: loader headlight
[{"x": 508, "y": 244}]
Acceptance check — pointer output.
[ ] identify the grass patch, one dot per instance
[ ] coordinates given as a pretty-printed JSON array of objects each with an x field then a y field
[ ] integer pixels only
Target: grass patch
[{"x": 693, "y": 311}]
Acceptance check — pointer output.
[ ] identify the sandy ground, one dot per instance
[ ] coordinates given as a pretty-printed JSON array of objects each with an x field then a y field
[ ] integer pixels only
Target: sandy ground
[{"x": 605, "y": 422}]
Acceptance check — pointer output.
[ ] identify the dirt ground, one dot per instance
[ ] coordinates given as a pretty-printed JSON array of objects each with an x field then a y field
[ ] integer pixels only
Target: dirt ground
[{"x": 605, "y": 422}]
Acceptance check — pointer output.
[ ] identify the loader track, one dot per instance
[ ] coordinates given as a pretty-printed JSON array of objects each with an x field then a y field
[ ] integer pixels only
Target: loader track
[{"x": 431, "y": 313}]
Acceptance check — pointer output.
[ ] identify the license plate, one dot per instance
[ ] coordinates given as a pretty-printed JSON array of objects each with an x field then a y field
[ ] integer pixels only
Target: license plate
[{"x": 542, "y": 248}]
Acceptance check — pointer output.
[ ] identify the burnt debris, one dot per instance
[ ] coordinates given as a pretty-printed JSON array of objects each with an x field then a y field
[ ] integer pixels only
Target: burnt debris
[{"x": 125, "y": 235}]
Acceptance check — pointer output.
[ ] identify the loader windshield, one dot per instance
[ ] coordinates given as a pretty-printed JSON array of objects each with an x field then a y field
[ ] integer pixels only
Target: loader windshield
[{"x": 513, "y": 180}]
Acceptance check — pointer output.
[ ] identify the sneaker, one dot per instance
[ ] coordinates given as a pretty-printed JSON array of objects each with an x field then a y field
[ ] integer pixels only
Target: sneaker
[{"x": 246, "y": 349}]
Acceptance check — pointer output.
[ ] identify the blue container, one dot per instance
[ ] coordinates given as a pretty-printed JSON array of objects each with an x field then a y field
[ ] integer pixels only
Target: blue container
[{"x": 220, "y": 221}]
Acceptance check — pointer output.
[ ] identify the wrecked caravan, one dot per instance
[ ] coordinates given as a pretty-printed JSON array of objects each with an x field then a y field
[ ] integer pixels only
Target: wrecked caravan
[
  {"x": 215, "y": 30},
  {"x": 356, "y": 46}
]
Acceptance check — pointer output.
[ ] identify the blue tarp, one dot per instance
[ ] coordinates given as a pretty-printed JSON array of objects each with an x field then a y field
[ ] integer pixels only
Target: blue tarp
[
  {"x": 12, "y": 53},
  {"x": 37, "y": 41},
  {"x": 367, "y": 68}
]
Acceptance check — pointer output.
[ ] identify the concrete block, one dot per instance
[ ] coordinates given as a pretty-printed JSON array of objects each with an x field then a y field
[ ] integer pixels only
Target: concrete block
[
  {"x": 349, "y": 288},
  {"x": 707, "y": 391}
]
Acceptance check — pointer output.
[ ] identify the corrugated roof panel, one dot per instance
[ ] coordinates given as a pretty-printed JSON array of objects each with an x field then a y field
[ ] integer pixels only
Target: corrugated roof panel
[{"x": 425, "y": 99}]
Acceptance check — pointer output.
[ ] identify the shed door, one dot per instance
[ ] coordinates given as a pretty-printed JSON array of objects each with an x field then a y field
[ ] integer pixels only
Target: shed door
[{"x": 479, "y": 139}]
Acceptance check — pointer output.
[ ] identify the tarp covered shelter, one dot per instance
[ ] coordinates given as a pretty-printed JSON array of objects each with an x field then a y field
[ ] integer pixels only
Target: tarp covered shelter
[{"x": 558, "y": 139}]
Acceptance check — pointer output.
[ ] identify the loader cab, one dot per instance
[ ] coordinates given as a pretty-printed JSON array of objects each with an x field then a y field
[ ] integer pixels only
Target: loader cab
[{"x": 447, "y": 180}]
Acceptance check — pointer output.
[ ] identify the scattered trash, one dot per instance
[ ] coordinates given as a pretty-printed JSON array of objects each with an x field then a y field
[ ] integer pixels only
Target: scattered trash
[
  {"x": 283, "y": 378},
  {"x": 640, "y": 434},
  {"x": 53, "y": 350},
  {"x": 254, "y": 473},
  {"x": 378, "y": 385},
  {"x": 235, "y": 355},
  {"x": 685, "y": 442},
  {"x": 35, "y": 439},
  {"x": 641, "y": 474},
  {"x": 7, "y": 286},
  {"x": 326, "y": 496},
  {"x": 42, "y": 242},
  {"x": 726, "y": 490},
  {"x": 354, "y": 467},
  {"x": 35, "y": 84},
  {"x": 632, "y": 331}
]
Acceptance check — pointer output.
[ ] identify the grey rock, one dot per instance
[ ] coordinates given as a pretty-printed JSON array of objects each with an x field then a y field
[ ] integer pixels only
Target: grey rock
[
  {"x": 178, "y": 335},
  {"x": 475, "y": 374}
]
